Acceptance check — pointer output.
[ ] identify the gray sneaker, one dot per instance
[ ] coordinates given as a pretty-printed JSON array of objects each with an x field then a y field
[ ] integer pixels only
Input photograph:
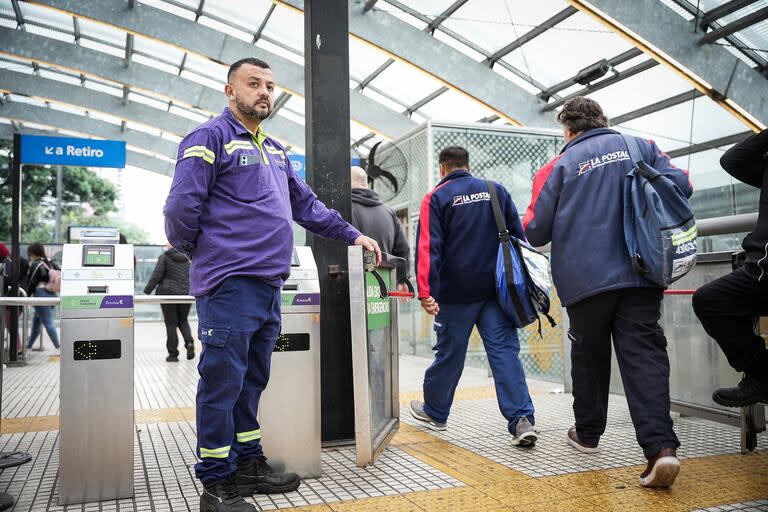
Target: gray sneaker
[
  {"x": 525, "y": 435},
  {"x": 417, "y": 411}
]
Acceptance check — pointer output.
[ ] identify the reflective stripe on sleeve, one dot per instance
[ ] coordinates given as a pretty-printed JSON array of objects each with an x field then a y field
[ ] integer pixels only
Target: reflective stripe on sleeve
[
  {"x": 201, "y": 152},
  {"x": 244, "y": 437},
  {"x": 215, "y": 453}
]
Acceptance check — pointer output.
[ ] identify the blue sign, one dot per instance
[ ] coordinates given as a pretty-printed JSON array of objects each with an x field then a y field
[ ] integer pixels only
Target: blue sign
[
  {"x": 299, "y": 163},
  {"x": 37, "y": 149}
]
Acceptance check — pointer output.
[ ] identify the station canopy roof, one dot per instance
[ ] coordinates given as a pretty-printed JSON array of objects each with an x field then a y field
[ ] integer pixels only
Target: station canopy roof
[{"x": 690, "y": 75}]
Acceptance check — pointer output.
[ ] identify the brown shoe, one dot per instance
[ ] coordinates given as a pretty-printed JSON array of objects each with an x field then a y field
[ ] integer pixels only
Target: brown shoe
[
  {"x": 662, "y": 469},
  {"x": 573, "y": 440}
]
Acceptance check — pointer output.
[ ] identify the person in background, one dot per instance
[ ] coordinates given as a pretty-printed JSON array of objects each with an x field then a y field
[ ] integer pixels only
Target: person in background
[
  {"x": 578, "y": 206},
  {"x": 39, "y": 267},
  {"x": 5, "y": 269},
  {"x": 727, "y": 307},
  {"x": 171, "y": 277},
  {"x": 458, "y": 242},
  {"x": 369, "y": 215}
]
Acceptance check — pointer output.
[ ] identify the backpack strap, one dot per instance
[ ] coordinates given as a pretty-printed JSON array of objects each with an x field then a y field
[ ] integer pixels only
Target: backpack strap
[
  {"x": 633, "y": 148},
  {"x": 506, "y": 249}
]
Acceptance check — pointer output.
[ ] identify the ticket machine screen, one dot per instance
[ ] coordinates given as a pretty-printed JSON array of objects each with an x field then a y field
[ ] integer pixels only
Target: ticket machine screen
[{"x": 98, "y": 256}]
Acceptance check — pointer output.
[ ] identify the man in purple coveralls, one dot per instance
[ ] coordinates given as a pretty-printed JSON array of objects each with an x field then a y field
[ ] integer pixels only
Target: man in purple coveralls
[{"x": 233, "y": 199}]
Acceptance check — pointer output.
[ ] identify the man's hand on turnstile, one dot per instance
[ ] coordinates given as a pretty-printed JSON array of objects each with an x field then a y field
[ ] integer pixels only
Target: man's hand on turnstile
[
  {"x": 430, "y": 305},
  {"x": 371, "y": 245}
]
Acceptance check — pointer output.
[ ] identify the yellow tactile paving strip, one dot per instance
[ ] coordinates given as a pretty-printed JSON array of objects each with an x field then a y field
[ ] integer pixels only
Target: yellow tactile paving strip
[{"x": 490, "y": 486}]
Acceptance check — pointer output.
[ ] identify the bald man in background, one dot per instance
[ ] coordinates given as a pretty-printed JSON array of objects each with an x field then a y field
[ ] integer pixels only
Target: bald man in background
[{"x": 380, "y": 223}]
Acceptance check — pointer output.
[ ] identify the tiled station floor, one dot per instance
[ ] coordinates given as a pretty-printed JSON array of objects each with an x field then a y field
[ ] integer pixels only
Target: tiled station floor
[{"x": 469, "y": 467}]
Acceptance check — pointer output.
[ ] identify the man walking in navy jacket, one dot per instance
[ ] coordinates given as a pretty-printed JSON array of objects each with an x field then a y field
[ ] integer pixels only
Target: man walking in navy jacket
[
  {"x": 457, "y": 244},
  {"x": 577, "y": 205}
]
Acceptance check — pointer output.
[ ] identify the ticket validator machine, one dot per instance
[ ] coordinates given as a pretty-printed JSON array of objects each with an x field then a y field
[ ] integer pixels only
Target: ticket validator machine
[
  {"x": 96, "y": 394},
  {"x": 289, "y": 410}
]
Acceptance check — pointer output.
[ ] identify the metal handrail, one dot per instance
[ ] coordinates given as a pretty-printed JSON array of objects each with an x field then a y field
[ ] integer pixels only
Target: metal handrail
[{"x": 55, "y": 301}]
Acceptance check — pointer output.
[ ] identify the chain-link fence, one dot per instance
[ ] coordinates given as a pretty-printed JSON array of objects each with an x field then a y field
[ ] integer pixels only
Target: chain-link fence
[{"x": 510, "y": 157}]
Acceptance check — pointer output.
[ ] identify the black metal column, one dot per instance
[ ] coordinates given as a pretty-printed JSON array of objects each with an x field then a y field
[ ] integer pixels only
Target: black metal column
[
  {"x": 326, "y": 50},
  {"x": 13, "y": 327}
]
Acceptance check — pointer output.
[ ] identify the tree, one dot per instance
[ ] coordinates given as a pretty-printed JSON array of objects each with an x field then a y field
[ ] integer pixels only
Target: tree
[{"x": 87, "y": 200}]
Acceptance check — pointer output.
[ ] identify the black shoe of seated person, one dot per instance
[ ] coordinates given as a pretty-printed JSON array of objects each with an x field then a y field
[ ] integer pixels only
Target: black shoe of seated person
[
  {"x": 254, "y": 476},
  {"x": 748, "y": 392}
]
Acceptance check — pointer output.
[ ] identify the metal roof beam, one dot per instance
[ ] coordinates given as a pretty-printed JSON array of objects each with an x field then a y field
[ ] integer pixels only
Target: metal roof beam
[
  {"x": 448, "y": 65},
  {"x": 94, "y": 63},
  {"x": 723, "y": 10},
  {"x": 220, "y": 47},
  {"x": 25, "y": 113},
  {"x": 133, "y": 158},
  {"x": 23, "y": 84},
  {"x": 712, "y": 144},
  {"x": 735, "y": 26},
  {"x": 670, "y": 39}
]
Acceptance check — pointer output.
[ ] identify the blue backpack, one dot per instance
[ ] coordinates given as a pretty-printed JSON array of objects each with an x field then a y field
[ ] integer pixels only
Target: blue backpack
[
  {"x": 522, "y": 274},
  {"x": 659, "y": 226}
]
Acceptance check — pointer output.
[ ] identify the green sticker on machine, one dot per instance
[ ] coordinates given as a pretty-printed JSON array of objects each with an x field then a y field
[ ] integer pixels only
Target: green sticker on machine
[
  {"x": 377, "y": 308},
  {"x": 81, "y": 302}
]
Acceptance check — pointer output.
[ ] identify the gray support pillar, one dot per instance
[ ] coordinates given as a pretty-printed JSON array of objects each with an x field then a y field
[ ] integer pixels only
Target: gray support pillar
[
  {"x": 59, "y": 188},
  {"x": 13, "y": 328},
  {"x": 326, "y": 50}
]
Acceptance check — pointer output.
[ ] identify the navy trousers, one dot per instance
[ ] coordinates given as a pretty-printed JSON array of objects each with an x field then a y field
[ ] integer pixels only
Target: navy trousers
[
  {"x": 239, "y": 322},
  {"x": 453, "y": 326},
  {"x": 631, "y": 317}
]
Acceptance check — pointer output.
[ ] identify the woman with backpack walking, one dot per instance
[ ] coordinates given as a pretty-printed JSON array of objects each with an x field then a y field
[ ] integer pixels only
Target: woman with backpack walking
[
  {"x": 44, "y": 281},
  {"x": 171, "y": 277}
]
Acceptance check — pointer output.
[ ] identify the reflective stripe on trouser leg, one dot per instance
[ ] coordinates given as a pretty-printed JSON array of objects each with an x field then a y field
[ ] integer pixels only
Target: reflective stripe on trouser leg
[
  {"x": 262, "y": 344},
  {"x": 215, "y": 453}
]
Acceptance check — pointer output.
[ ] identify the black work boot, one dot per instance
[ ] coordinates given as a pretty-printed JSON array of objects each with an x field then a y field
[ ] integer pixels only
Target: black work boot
[
  {"x": 223, "y": 496},
  {"x": 749, "y": 391},
  {"x": 254, "y": 476}
]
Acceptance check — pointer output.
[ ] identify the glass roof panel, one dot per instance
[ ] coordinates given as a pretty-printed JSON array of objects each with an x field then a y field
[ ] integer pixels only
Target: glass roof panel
[
  {"x": 755, "y": 36},
  {"x": 655, "y": 84},
  {"x": 203, "y": 80},
  {"x": 564, "y": 50},
  {"x": 162, "y": 66},
  {"x": 406, "y": 82},
  {"x": 102, "y": 32},
  {"x": 493, "y": 24},
  {"x": 7, "y": 22},
  {"x": 273, "y": 48},
  {"x": 704, "y": 168},
  {"x": 223, "y": 27},
  {"x": 183, "y": 112},
  {"x": 110, "y": 50},
  {"x": 671, "y": 128},
  {"x": 364, "y": 59},
  {"x": 384, "y": 100},
  {"x": 404, "y": 16},
  {"x": 59, "y": 77},
  {"x": 53, "y": 34},
  {"x": 145, "y": 100},
  {"x": 244, "y": 13},
  {"x": 187, "y": 14},
  {"x": 157, "y": 49},
  {"x": 45, "y": 15},
  {"x": 455, "y": 106},
  {"x": 286, "y": 26},
  {"x": 114, "y": 91},
  {"x": 208, "y": 68}
]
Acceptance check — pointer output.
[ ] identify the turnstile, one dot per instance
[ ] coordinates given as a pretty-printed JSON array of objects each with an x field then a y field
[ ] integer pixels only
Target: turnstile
[
  {"x": 289, "y": 410},
  {"x": 96, "y": 393}
]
